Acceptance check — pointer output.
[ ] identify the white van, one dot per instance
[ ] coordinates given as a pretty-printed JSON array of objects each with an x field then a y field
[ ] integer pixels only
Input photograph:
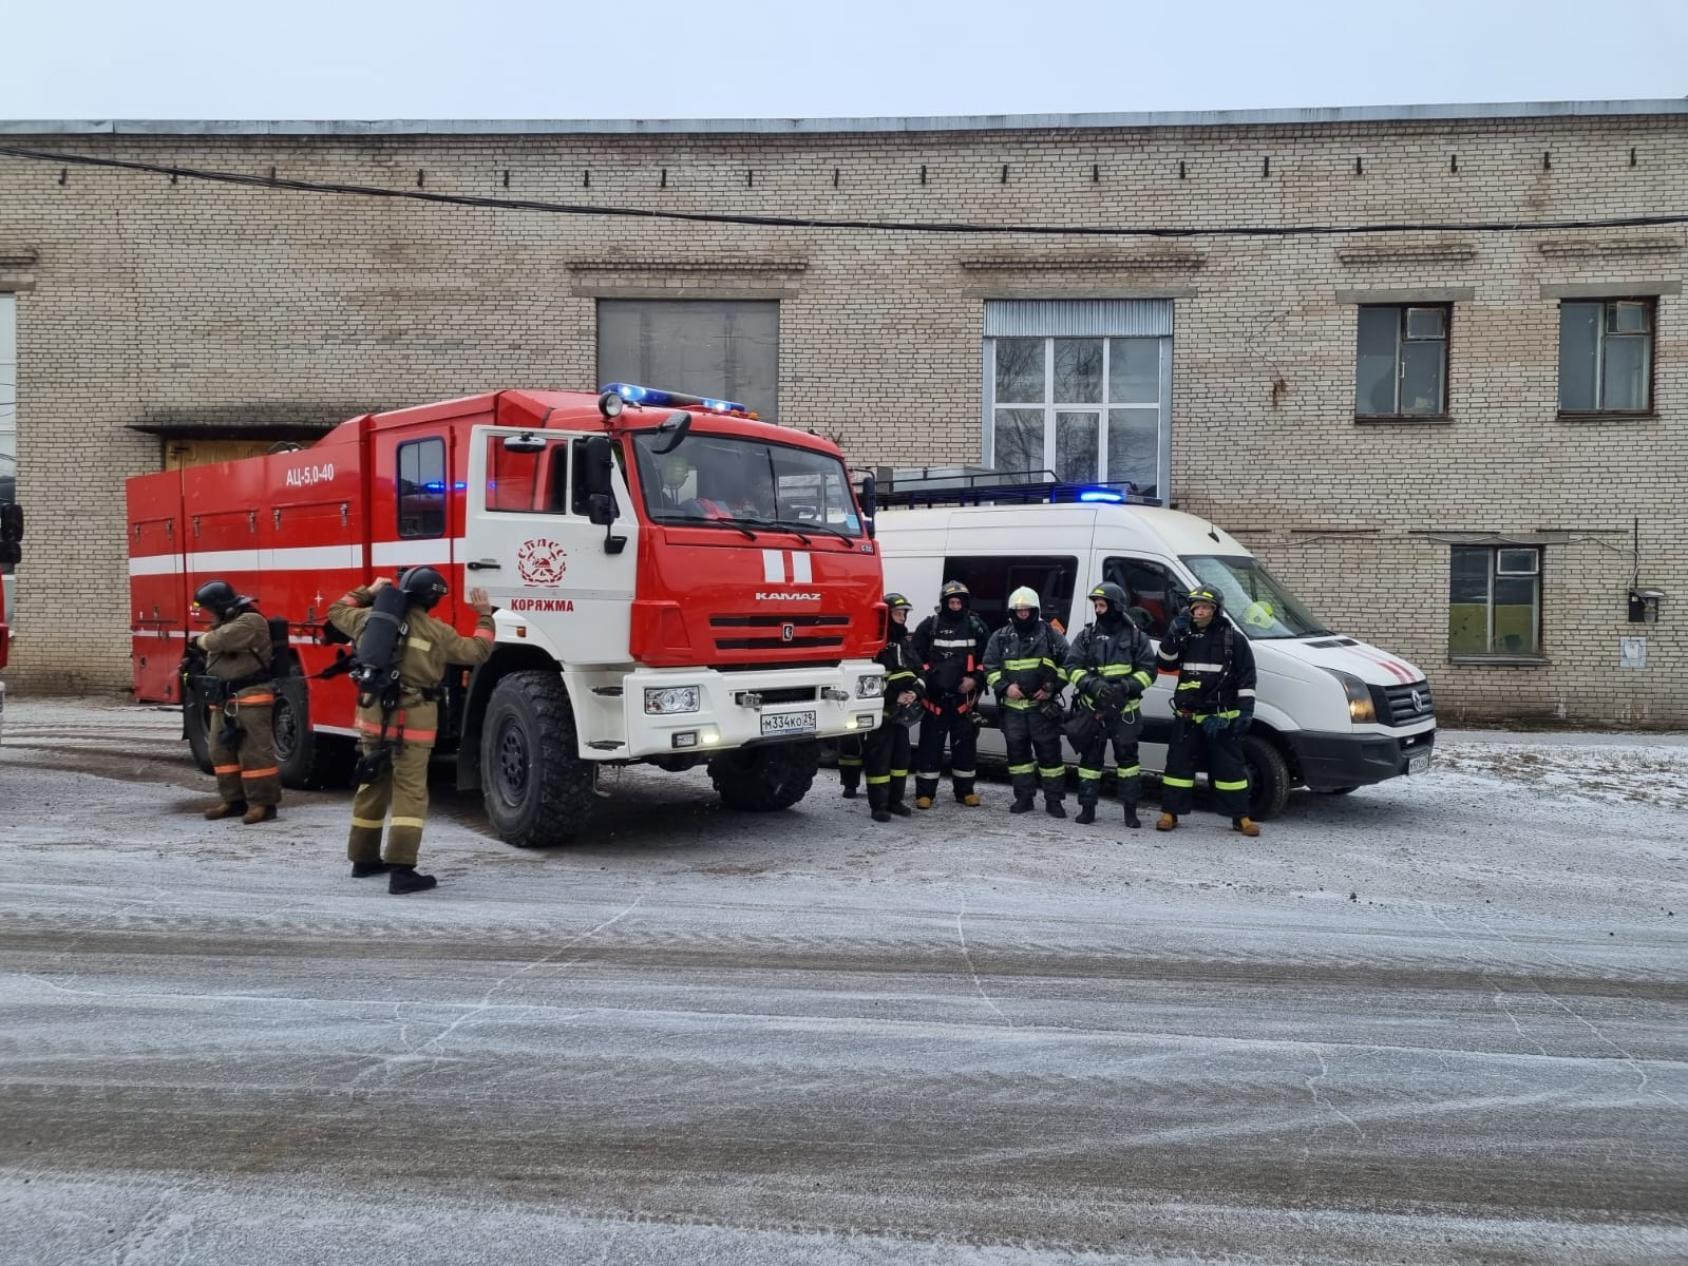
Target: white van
[{"x": 1332, "y": 713}]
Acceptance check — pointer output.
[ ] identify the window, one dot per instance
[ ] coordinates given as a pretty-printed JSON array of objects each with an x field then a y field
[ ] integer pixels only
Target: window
[
  {"x": 421, "y": 488},
  {"x": 725, "y": 349},
  {"x": 1256, "y": 601},
  {"x": 991, "y": 580},
  {"x": 721, "y": 481},
  {"x": 1494, "y": 601},
  {"x": 1401, "y": 362},
  {"x": 1606, "y": 356},
  {"x": 1153, "y": 595},
  {"x": 1080, "y": 389},
  {"x": 527, "y": 482}
]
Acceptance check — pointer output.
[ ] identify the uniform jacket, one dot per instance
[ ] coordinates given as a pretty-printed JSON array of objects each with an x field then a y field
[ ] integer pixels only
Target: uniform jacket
[
  {"x": 949, "y": 646},
  {"x": 1117, "y": 652},
  {"x": 240, "y": 648},
  {"x": 902, "y": 669},
  {"x": 1214, "y": 667},
  {"x": 428, "y": 646},
  {"x": 1031, "y": 660}
]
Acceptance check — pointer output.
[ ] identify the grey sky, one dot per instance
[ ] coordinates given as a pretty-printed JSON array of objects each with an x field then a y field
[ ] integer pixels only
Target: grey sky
[{"x": 659, "y": 58}]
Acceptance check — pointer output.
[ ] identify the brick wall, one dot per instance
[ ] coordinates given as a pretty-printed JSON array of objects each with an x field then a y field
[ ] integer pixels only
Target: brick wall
[{"x": 143, "y": 300}]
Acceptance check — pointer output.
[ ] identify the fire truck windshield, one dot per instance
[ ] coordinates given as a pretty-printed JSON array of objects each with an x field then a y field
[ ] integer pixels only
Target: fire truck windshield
[{"x": 740, "y": 483}]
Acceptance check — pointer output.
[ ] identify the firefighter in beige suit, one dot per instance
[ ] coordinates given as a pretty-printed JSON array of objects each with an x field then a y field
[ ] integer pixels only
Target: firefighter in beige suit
[
  {"x": 397, "y": 743},
  {"x": 238, "y": 685}
]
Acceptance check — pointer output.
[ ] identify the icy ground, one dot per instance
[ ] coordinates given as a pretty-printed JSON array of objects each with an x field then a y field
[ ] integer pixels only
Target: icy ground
[{"x": 1441, "y": 1020}]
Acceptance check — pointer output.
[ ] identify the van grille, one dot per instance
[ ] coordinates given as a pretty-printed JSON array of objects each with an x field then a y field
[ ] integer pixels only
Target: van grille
[{"x": 1397, "y": 705}]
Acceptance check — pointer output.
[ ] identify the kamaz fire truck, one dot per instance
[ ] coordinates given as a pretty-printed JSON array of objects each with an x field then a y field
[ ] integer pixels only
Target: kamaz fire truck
[{"x": 677, "y": 582}]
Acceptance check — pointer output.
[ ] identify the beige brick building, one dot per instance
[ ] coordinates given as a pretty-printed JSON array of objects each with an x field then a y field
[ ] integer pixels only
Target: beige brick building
[{"x": 1442, "y": 435}]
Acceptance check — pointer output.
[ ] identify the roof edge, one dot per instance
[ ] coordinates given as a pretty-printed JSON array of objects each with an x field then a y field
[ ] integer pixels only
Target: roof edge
[{"x": 844, "y": 126}]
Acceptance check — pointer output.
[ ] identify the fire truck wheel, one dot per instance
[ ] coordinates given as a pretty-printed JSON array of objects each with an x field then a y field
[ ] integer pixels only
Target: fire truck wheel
[
  {"x": 537, "y": 791},
  {"x": 198, "y": 727},
  {"x": 308, "y": 760},
  {"x": 763, "y": 779}
]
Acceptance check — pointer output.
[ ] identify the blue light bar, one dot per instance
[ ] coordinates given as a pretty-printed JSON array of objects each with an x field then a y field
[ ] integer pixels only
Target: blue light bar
[
  {"x": 655, "y": 396},
  {"x": 1101, "y": 494}
]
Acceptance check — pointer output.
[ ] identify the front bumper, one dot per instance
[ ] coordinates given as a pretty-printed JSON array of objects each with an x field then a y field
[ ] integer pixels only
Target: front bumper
[
  {"x": 1328, "y": 761},
  {"x": 728, "y": 718}
]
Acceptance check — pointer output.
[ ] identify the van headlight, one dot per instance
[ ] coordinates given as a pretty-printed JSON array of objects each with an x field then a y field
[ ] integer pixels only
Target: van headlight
[
  {"x": 870, "y": 687},
  {"x": 669, "y": 700},
  {"x": 1361, "y": 709}
]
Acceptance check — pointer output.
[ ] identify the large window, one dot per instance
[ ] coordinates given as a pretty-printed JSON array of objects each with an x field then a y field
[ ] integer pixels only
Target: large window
[
  {"x": 1080, "y": 389},
  {"x": 719, "y": 481},
  {"x": 1255, "y": 599},
  {"x": 1494, "y": 601},
  {"x": 991, "y": 579},
  {"x": 525, "y": 479},
  {"x": 1153, "y": 595},
  {"x": 421, "y": 488},
  {"x": 1401, "y": 361},
  {"x": 722, "y": 348},
  {"x": 1606, "y": 356}
]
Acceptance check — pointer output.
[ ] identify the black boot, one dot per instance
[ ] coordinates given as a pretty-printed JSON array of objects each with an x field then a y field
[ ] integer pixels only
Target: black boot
[
  {"x": 877, "y": 802},
  {"x": 1054, "y": 808},
  {"x": 402, "y": 879},
  {"x": 1022, "y": 804},
  {"x": 850, "y": 790},
  {"x": 1086, "y": 814},
  {"x": 363, "y": 870},
  {"x": 1131, "y": 817}
]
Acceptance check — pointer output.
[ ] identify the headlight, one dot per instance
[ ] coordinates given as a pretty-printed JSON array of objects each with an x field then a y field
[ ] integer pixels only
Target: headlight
[
  {"x": 870, "y": 687},
  {"x": 667, "y": 700},
  {"x": 1361, "y": 709}
]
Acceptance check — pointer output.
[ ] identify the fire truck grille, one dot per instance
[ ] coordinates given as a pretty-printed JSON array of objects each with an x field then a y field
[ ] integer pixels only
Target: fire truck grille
[
  {"x": 780, "y": 632},
  {"x": 775, "y": 621}
]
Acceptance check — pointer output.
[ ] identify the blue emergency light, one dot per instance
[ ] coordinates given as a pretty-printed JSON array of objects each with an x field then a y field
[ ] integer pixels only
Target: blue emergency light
[
  {"x": 655, "y": 396},
  {"x": 1101, "y": 494}
]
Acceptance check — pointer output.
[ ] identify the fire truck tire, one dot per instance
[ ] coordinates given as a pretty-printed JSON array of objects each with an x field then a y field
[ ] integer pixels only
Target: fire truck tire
[
  {"x": 308, "y": 760},
  {"x": 538, "y": 792},
  {"x": 198, "y": 727},
  {"x": 1268, "y": 777},
  {"x": 765, "y": 779}
]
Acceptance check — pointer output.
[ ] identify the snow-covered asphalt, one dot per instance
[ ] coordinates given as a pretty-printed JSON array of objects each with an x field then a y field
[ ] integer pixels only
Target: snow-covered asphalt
[{"x": 1441, "y": 1020}]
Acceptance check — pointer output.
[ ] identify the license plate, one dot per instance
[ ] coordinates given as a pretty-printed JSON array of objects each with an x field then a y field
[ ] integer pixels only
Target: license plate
[
  {"x": 1419, "y": 764},
  {"x": 788, "y": 723}
]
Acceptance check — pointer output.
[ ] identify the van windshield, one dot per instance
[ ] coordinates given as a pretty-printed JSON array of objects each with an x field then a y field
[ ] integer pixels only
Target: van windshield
[
  {"x": 1254, "y": 598},
  {"x": 746, "y": 484}
]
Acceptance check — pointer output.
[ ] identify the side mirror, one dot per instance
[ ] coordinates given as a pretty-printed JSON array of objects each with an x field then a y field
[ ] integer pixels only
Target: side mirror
[
  {"x": 527, "y": 442},
  {"x": 600, "y": 509},
  {"x": 674, "y": 426},
  {"x": 870, "y": 502},
  {"x": 600, "y": 463}
]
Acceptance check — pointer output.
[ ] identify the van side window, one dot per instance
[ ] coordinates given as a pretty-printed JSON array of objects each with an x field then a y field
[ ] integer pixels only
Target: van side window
[
  {"x": 421, "y": 488},
  {"x": 991, "y": 580},
  {"x": 1153, "y": 593}
]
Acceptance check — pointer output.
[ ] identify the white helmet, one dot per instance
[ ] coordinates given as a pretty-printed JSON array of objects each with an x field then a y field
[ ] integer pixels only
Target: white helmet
[{"x": 1024, "y": 596}]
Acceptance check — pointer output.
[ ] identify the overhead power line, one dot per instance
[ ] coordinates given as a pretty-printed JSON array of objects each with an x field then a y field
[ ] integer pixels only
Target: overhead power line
[{"x": 822, "y": 222}]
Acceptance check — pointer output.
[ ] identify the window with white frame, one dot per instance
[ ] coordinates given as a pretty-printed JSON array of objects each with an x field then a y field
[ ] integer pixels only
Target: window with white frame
[
  {"x": 1606, "y": 356},
  {"x": 1494, "y": 601},
  {"x": 1081, "y": 389}
]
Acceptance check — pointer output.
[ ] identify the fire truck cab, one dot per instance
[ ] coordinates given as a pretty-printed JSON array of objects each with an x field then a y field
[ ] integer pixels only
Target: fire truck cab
[{"x": 676, "y": 582}]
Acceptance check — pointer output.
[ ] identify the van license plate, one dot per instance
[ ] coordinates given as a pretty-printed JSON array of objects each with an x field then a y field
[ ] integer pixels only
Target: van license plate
[
  {"x": 788, "y": 723},
  {"x": 1419, "y": 764}
]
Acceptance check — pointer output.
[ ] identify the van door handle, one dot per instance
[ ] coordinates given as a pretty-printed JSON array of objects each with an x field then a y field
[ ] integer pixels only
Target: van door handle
[{"x": 485, "y": 564}]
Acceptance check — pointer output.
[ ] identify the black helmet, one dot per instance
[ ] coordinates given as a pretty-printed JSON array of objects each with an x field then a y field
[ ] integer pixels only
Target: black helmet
[
  {"x": 423, "y": 586},
  {"x": 1113, "y": 595},
  {"x": 1208, "y": 594},
  {"x": 955, "y": 589},
  {"x": 896, "y": 602},
  {"x": 219, "y": 598}
]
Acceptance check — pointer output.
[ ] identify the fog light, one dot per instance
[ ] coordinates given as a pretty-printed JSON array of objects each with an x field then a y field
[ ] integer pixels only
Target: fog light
[
  {"x": 668, "y": 700},
  {"x": 866, "y": 721},
  {"x": 685, "y": 738},
  {"x": 709, "y": 737}
]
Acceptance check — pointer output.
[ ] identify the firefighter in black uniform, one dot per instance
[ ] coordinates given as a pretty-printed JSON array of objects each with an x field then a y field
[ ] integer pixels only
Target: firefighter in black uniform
[
  {"x": 1111, "y": 664},
  {"x": 1214, "y": 701},
  {"x": 950, "y": 647},
  {"x": 886, "y": 749},
  {"x": 1025, "y": 665}
]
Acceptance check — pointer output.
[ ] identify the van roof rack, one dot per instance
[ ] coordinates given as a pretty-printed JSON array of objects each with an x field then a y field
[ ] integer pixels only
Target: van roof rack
[{"x": 1016, "y": 487}]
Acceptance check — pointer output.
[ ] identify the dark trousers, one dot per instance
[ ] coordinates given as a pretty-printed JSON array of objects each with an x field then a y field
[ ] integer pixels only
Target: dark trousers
[
  {"x": 1122, "y": 730},
  {"x": 957, "y": 728},
  {"x": 850, "y": 761},
  {"x": 1221, "y": 755},
  {"x": 887, "y": 764},
  {"x": 1029, "y": 733}
]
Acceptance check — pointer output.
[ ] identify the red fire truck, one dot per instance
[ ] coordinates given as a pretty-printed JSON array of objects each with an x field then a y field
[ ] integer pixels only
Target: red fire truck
[{"x": 677, "y": 583}]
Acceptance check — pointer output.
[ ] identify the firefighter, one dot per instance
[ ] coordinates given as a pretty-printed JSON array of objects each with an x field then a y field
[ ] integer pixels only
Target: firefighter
[
  {"x": 950, "y": 647},
  {"x": 238, "y": 684},
  {"x": 886, "y": 749},
  {"x": 1214, "y": 701},
  {"x": 1112, "y": 663},
  {"x": 397, "y": 741},
  {"x": 1025, "y": 665}
]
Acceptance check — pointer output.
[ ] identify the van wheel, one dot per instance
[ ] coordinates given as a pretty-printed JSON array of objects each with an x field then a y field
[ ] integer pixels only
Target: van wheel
[
  {"x": 307, "y": 760},
  {"x": 1268, "y": 778},
  {"x": 538, "y": 792},
  {"x": 765, "y": 779},
  {"x": 197, "y": 722}
]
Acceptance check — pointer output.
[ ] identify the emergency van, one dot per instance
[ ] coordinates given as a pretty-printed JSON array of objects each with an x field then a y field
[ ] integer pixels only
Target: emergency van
[
  {"x": 1332, "y": 712},
  {"x": 677, "y": 582}
]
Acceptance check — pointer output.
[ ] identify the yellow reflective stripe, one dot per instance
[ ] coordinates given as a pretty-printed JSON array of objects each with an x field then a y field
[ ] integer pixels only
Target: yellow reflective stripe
[
  {"x": 419, "y": 643},
  {"x": 418, "y": 823},
  {"x": 1143, "y": 675},
  {"x": 1130, "y": 771},
  {"x": 368, "y": 824},
  {"x": 1022, "y": 769},
  {"x": 1170, "y": 781},
  {"x": 1231, "y": 786},
  {"x": 1019, "y": 705},
  {"x": 992, "y": 677},
  {"x": 878, "y": 780},
  {"x": 1190, "y": 685},
  {"x": 899, "y": 773},
  {"x": 1052, "y": 771},
  {"x": 850, "y": 760},
  {"x": 899, "y": 676},
  {"x": 1115, "y": 670},
  {"x": 1089, "y": 775},
  {"x": 1020, "y": 665}
]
